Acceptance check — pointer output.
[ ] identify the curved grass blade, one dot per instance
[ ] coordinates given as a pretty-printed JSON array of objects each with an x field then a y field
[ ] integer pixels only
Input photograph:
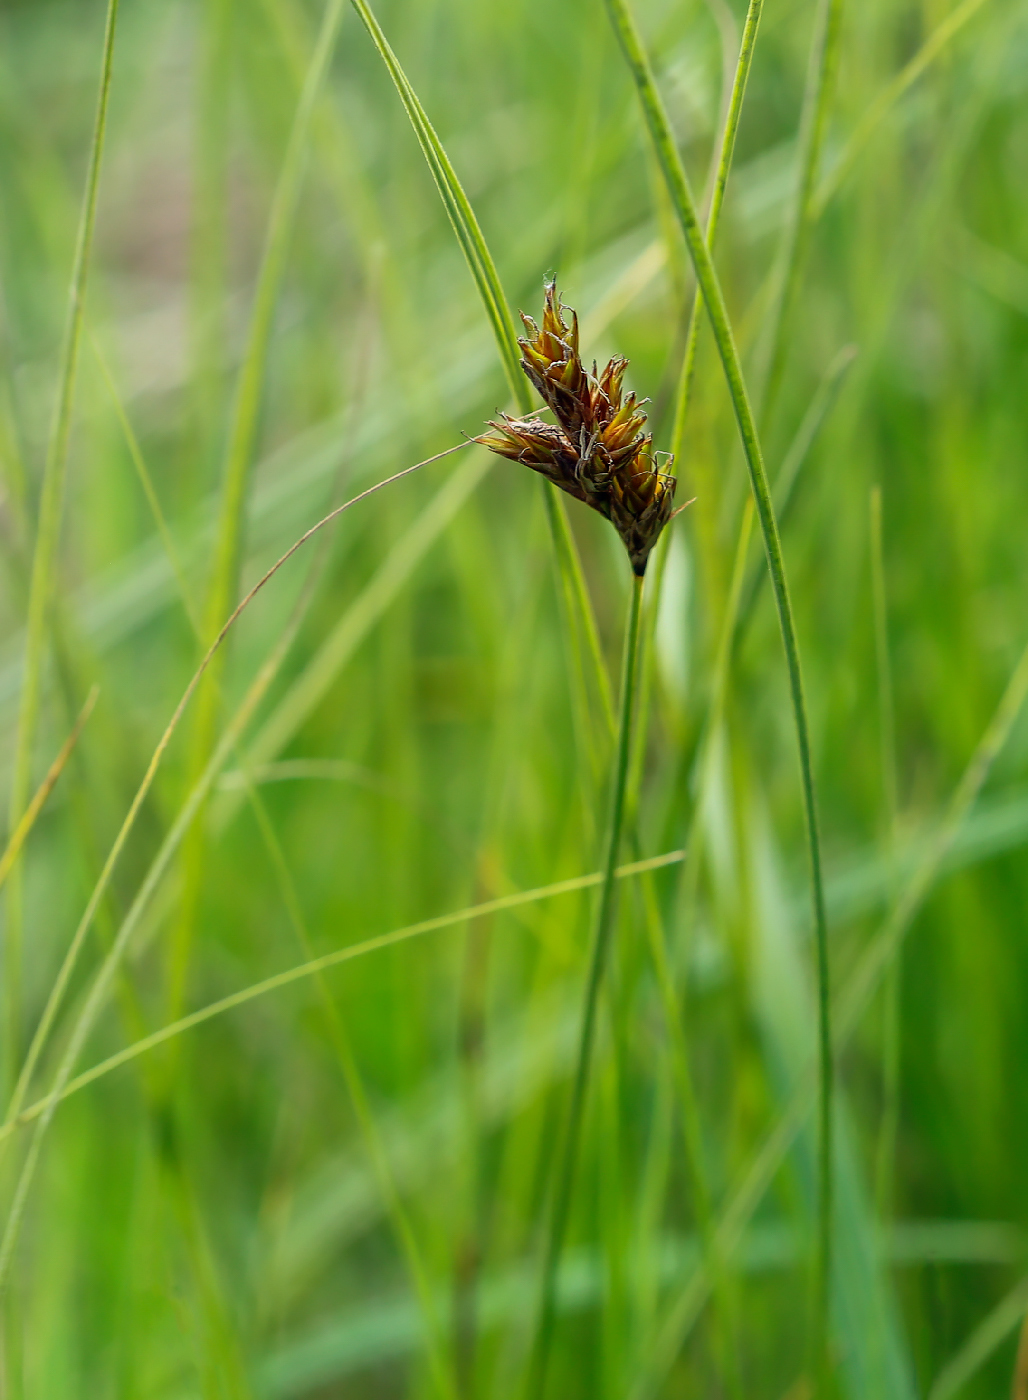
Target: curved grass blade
[
  {"x": 483, "y": 269},
  {"x": 460, "y": 212},
  {"x": 21, "y": 832},
  {"x": 724, "y": 165},
  {"x": 336, "y": 958},
  {"x": 48, "y": 534},
  {"x": 314, "y": 681},
  {"x": 852, "y": 1004},
  {"x": 706, "y": 275},
  {"x": 172, "y": 841},
  {"x": 824, "y": 62}
]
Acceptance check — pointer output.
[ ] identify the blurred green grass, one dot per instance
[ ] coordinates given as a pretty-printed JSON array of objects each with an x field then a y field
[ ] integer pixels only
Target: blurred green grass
[{"x": 226, "y": 1236}]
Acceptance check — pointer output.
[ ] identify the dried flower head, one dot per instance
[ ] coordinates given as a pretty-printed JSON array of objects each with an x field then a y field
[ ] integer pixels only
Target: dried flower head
[{"x": 597, "y": 451}]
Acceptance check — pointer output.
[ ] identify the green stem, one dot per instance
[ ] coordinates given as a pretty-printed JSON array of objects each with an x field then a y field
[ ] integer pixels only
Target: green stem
[
  {"x": 710, "y": 286},
  {"x": 731, "y": 128},
  {"x": 888, "y": 1131},
  {"x": 824, "y": 61},
  {"x": 44, "y": 561},
  {"x": 597, "y": 965}
]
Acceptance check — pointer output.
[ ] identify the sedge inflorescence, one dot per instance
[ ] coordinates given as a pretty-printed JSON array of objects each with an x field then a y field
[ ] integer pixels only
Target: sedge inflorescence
[{"x": 597, "y": 450}]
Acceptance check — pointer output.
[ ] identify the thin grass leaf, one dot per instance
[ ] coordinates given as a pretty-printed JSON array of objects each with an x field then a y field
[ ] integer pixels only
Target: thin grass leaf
[
  {"x": 821, "y": 73},
  {"x": 729, "y": 132},
  {"x": 21, "y": 832},
  {"x": 48, "y": 536},
  {"x": 313, "y": 683},
  {"x": 460, "y": 213},
  {"x": 194, "y": 803},
  {"x": 681, "y": 196},
  {"x": 580, "y": 612},
  {"x": 891, "y": 1037},
  {"x": 852, "y": 1002},
  {"x": 520, "y": 899}
]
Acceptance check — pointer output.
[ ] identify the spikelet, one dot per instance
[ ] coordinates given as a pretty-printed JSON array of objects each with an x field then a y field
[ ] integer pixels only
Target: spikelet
[
  {"x": 597, "y": 451},
  {"x": 538, "y": 445}
]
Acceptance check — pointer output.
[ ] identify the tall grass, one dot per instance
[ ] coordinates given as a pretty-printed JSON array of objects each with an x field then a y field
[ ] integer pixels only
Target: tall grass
[{"x": 294, "y": 973}]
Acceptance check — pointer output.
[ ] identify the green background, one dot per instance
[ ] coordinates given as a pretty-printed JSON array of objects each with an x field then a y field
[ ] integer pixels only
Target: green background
[{"x": 213, "y": 1219}]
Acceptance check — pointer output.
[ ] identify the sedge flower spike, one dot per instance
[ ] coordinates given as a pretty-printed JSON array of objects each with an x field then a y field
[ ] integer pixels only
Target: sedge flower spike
[{"x": 597, "y": 451}]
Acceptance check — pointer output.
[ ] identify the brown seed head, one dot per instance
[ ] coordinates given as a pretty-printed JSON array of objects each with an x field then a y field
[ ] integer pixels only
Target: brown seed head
[
  {"x": 538, "y": 445},
  {"x": 597, "y": 451},
  {"x": 550, "y": 359}
]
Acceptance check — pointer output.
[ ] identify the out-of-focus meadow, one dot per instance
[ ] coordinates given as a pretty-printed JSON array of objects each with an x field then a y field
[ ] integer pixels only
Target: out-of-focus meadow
[{"x": 338, "y": 1187}]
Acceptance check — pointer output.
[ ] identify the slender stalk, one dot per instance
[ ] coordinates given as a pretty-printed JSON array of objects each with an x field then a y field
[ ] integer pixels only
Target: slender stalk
[
  {"x": 44, "y": 560},
  {"x": 888, "y": 1128},
  {"x": 724, "y": 164},
  {"x": 604, "y": 928},
  {"x": 824, "y": 61},
  {"x": 20, "y": 834},
  {"x": 706, "y": 276},
  {"x": 885, "y": 1165}
]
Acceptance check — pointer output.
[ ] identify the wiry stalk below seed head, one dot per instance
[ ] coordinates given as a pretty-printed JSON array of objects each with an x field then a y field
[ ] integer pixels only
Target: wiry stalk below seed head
[{"x": 597, "y": 451}]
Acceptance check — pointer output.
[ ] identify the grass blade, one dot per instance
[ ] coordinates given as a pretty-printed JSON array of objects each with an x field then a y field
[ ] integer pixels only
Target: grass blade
[
  {"x": 313, "y": 682},
  {"x": 172, "y": 842},
  {"x": 48, "y": 535},
  {"x": 483, "y": 269},
  {"x": 681, "y": 196},
  {"x": 337, "y": 958},
  {"x": 724, "y": 165},
  {"x": 20, "y": 834},
  {"x": 824, "y": 61},
  {"x": 460, "y": 212},
  {"x": 852, "y": 1003},
  {"x": 889, "y": 1126}
]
